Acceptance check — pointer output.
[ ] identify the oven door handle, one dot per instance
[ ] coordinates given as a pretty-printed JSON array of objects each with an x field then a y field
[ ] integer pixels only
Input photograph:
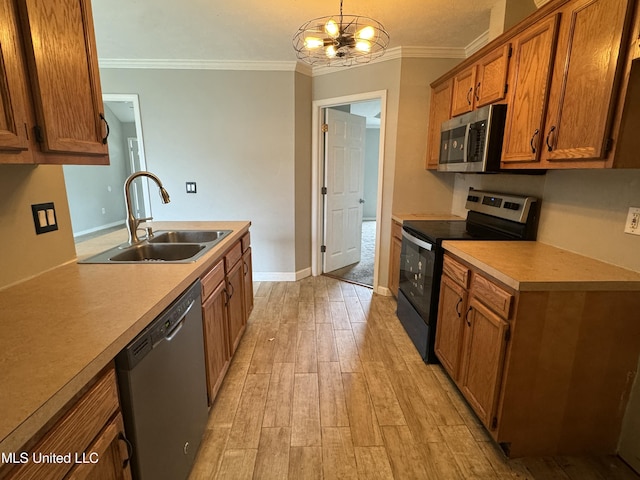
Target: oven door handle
[{"x": 417, "y": 241}]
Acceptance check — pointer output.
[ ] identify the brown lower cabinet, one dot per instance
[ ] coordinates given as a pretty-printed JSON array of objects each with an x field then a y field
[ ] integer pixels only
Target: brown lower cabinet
[
  {"x": 548, "y": 372},
  {"x": 91, "y": 430},
  {"x": 227, "y": 301},
  {"x": 394, "y": 257}
]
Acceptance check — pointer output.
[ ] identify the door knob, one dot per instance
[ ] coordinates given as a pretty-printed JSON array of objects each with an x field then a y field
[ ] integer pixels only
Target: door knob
[{"x": 362, "y": 200}]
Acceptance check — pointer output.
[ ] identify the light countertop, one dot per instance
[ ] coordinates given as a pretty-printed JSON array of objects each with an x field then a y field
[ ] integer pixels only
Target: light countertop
[
  {"x": 60, "y": 329},
  {"x": 535, "y": 266}
]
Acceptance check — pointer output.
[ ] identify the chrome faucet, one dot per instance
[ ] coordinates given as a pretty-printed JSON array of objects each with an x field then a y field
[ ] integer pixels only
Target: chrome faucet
[{"x": 132, "y": 221}]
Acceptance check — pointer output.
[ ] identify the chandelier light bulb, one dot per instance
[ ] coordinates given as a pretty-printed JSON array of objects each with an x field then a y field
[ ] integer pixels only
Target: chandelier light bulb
[
  {"x": 313, "y": 43},
  {"x": 331, "y": 51},
  {"x": 363, "y": 46},
  {"x": 367, "y": 33},
  {"x": 332, "y": 28}
]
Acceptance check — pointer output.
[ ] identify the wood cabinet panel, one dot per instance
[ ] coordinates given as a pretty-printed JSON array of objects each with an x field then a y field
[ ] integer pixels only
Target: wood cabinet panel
[
  {"x": 491, "y": 81},
  {"x": 394, "y": 257},
  {"x": 61, "y": 54},
  {"x": 247, "y": 282},
  {"x": 75, "y": 431},
  {"x": 235, "y": 306},
  {"x": 528, "y": 91},
  {"x": 456, "y": 271},
  {"x": 216, "y": 339},
  {"x": 232, "y": 257},
  {"x": 483, "y": 359},
  {"x": 439, "y": 112},
  {"x": 463, "y": 87},
  {"x": 110, "y": 453},
  {"x": 212, "y": 279},
  {"x": 450, "y": 327},
  {"x": 587, "y": 65},
  {"x": 492, "y": 295},
  {"x": 13, "y": 100}
]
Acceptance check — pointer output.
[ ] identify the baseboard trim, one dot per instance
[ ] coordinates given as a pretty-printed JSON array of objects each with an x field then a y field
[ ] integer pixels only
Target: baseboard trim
[
  {"x": 383, "y": 291},
  {"x": 281, "y": 276}
]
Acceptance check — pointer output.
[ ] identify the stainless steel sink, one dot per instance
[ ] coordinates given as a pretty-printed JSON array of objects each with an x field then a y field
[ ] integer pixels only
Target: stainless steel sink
[
  {"x": 164, "y": 252},
  {"x": 175, "y": 246},
  {"x": 189, "y": 236}
]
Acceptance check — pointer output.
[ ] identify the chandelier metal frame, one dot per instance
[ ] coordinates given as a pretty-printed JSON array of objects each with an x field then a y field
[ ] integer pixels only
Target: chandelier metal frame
[{"x": 340, "y": 40}]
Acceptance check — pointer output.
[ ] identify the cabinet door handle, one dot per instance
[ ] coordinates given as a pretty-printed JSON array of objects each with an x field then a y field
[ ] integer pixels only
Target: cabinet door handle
[
  {"x": 129, "y": 449},
  {"x": 226, "y": 297},
  {"x": 457, "y": 305},
  {"x": 245, "y": 268},
  {"x": 549, "y": 146},
  {"x": 466, "y": 316},
  {"x": 469, "y": 95},
  {"x": 232, "y": 291},
  {"x": 533, "y": 147},
  {"x": 104, "y": 140},
  {"x": 478, "y": 92}
]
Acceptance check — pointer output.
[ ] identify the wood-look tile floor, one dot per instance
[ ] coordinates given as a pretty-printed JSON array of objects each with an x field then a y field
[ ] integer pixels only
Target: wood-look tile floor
[{"x": 326, "y": 384}]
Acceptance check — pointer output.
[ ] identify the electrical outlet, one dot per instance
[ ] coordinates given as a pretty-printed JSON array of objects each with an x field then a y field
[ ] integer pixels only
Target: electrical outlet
[
  {"x": 191, "y": 187},
  {"x": 633, "y": 221},
  {"x": 44, "y": 217}
]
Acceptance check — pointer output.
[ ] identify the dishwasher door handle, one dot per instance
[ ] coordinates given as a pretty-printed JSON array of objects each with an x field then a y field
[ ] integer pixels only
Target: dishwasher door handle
[{"x": 171, "y": 335}]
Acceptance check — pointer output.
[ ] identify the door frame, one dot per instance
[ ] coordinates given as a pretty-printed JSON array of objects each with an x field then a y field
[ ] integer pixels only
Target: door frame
[
  {"x": 133, "y": 98},
  {"x": 317, "y": 174}
]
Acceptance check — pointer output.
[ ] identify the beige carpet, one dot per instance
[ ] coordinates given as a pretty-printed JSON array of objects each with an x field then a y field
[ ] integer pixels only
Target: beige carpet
[{"x": 362, "y": 271}]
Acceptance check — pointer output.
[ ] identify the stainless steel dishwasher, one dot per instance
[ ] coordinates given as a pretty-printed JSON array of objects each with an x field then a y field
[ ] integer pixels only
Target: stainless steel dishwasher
[{"x": 162, "y": 382}]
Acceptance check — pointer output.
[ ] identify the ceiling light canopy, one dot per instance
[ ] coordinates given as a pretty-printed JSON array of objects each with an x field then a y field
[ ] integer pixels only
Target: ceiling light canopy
[{"x": 340, "y": 40}]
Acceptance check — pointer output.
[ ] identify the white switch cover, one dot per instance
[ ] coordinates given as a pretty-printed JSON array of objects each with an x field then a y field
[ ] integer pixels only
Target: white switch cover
[
  {"x": 42, "y": 218},
  {"x": 633, "y": 221},
  {"x": 51, "y": 216}
]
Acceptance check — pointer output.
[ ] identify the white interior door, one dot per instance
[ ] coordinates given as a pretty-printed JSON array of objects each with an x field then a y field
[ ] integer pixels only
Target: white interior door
[{"x": 344, "y": 180}]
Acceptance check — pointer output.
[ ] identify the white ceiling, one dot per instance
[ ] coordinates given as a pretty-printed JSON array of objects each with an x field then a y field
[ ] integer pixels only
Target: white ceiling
[{"x": 261, "y": 31}]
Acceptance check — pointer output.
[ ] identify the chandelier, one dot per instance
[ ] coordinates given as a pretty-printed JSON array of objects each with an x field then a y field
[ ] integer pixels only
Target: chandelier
[{"x": 341, "y": 40}]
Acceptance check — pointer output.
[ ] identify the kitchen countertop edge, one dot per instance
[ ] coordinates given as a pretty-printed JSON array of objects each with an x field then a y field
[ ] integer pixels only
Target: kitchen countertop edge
[
  {"x": 18, "y": 436},
  {"x": 529, "y": 266}
]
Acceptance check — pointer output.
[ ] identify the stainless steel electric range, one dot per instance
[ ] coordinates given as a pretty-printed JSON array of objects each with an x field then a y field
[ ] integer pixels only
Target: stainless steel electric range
[{"x": 491, "y": 216}]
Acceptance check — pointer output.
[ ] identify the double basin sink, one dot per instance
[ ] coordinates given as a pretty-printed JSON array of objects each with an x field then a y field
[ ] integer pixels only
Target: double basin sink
[{"x": 175, "y": 246}]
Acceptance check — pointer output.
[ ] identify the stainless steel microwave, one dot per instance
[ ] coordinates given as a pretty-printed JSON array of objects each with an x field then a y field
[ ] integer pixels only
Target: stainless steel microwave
[{"x": 473, "y": 142}]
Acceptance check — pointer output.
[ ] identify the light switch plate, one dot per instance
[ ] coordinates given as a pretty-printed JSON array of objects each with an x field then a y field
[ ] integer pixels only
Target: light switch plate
[
  {"x": 44, "y": 217},
  {"x": 632, "y": 224}
]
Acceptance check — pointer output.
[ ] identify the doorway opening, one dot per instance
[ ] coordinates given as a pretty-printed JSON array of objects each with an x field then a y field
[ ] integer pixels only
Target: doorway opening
[
  {"x": 347, "y": 186},
  {"x": 95, "y": 196}
]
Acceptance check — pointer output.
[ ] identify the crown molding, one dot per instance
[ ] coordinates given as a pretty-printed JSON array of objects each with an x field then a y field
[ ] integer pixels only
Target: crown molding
[
  {"x": 299, "y": 67},
  {"x": 186, "y": 64},
  {"x": 477, "y": 44},
  {"x": 400, "y": 52},
  {"x": 540, "y": 3}
]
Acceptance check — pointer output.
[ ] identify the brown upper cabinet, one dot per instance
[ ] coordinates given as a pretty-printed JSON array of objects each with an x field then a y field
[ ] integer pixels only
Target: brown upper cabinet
[
  {"x": 440, "y": 111},
  {"x": 14, "y": 141},
  {"x": 62, "y": 116},
  {"x": 483, "y": 83},
  {"x": 528, "y": 96},
  {"x": 565, "y": 75},
  {"x": 568, "y": 82}
]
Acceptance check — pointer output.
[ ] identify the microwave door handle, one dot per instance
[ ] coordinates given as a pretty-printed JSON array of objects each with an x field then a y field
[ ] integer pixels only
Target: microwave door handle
[
  {"x": 467, "y": 135},
  {"x": 417, "y": 241}
]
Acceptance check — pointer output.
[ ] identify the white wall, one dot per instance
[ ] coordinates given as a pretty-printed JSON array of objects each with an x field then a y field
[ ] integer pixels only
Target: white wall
[
  {"x": 582, "y": 210},
  {"x": 232, "y": 132},
  {"x": 91, "y": 188}
]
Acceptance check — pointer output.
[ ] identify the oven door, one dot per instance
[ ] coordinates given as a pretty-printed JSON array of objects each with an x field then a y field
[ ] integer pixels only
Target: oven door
[
  {"x": 417, "y": 265},
  {"x": 416, "y": 292}
]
